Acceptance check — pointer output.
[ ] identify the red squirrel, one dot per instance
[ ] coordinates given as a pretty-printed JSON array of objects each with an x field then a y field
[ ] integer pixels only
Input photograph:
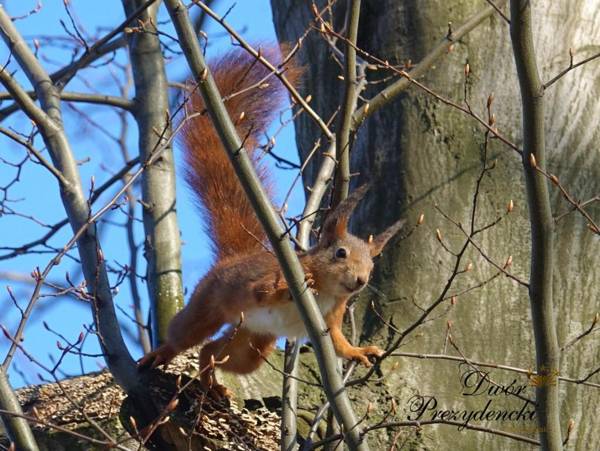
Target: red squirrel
[{"x": 245, "y": 280}]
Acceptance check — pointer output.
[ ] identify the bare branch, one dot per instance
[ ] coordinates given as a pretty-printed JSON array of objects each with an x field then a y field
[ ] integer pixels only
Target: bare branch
[
  {"x": 33, "y": 151},
  {"x": 289, "y": 399},
  {"x": 49, "y": 119},
  {"x": 583, "y": 334},
  {"x": 392, "y": 91},
  {"x": 575, "y": 205},
  {"x": 542, "y": 232},
  {"x": 418, "y": 424},
  {"x": 351, "y": 93},
  {"x": 162, "y": 243},
  {"x": 569, "y": 68},
  {"x": 17, "y": 427},
  {"x": 54, "y": 228},
  {"x": 499, "y": 366},
  {"x": 499, "y": 11},
  {"x": 99, "y": 99}
]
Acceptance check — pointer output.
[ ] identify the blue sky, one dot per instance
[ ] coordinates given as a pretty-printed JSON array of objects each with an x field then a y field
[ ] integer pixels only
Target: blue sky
[{"x": 92, "y": 139}]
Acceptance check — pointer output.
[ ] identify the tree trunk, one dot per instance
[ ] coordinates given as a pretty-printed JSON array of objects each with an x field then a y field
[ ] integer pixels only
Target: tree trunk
[
  {"x": 162, "y": 246},
  {"x": 419, "y": 153}
]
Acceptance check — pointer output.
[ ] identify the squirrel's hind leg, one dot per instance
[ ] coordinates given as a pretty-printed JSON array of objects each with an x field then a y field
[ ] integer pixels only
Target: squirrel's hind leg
[
  {"x": 189, "y": 327},
  {"x": 243, "y": 352}
]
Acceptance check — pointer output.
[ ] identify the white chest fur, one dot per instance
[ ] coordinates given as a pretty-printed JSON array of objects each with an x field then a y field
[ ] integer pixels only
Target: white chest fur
[{"x": 282, "y": 321}]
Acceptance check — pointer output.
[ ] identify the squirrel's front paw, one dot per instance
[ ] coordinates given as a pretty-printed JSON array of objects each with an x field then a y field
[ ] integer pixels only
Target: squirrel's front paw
[
  {"x": 309, "y": 279},
  {"x": 161, "y": 356},
  {"x": 311, "y": 282},
  {"x": 362, "y": 354},
  {"x": 268, "y": 292}
]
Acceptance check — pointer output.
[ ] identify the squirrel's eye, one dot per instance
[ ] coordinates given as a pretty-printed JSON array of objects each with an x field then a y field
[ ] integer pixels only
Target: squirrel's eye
[{"x": 341, "y": 253}]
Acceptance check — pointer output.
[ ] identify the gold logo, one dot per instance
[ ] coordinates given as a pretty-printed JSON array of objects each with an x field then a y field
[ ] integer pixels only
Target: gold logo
[{"x": 546, "y": 378}]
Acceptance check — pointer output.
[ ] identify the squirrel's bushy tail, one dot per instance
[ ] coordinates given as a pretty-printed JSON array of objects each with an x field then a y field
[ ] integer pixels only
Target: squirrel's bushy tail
[{"x": 247, "y": 87}]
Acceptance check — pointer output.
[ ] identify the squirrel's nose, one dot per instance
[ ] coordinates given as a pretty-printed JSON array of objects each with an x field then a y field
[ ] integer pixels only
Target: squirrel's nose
[{"x": 360, "y": 281}]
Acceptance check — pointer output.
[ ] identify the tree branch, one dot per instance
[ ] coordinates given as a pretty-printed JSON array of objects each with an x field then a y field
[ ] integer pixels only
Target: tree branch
[
  {"x": 100, "y": 48},
  {"x": 33, "y": 151},
  {"x": 17, "y": 427},
  {"x": 499, "y": 366},
  {"x": 418, "y": 424},
  {"x": 54, "y": 228},
  {"x": 569, "y": 68},
  {"x": 99, "y": 99},
  {"x": 540, "y": 217},
  {"x": 49, "y": 120},
  {"x": 392, "y": 91},
  {"x": 351, "y": 92},
  {"x": 289, "y": 398},
  {"x": 162, "y": 242}
]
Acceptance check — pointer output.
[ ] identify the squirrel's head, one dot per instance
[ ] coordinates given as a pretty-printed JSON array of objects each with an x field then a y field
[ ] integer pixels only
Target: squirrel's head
[{"x": 346, "y": 261}]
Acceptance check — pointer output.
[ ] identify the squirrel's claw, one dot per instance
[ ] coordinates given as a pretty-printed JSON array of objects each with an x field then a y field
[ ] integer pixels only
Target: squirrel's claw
[
  {"x": 311, "y": 282},
  {"x": 309, "y": 279},
  {"x": 160, "y": 356},
  {"x": 362, "y": 354}
]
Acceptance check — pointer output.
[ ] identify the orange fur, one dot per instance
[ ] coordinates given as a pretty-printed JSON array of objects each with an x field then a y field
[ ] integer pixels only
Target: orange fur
[
  {"x": 246, "y": 280},
  {"x": 231, "y": 223}
]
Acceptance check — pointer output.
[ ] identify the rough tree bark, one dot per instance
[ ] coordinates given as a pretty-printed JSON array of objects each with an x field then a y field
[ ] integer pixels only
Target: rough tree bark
[{"x": 418, "y": 153}]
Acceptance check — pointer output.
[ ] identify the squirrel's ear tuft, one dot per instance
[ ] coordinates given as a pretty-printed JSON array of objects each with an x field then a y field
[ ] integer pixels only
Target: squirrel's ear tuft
[
  {"x": 336, "y": 223},
  {"x": 341, "y": 228},
  {"x": 379, "y": 242}
]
